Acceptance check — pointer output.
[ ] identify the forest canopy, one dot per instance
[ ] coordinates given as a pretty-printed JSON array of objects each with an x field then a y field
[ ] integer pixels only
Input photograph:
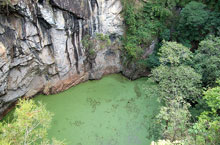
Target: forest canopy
[{"x": 185, "y": 63}]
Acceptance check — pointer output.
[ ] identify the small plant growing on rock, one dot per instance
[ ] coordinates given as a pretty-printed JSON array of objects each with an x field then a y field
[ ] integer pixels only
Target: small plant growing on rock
[
  {"x": 88, "y": 43},
  {"x": 103, "y": 37},
  {"x": 104, "y": 40}
]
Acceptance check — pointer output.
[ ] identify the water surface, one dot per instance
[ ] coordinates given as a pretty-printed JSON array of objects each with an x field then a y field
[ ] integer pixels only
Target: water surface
[{"x": 110, "y": 111}]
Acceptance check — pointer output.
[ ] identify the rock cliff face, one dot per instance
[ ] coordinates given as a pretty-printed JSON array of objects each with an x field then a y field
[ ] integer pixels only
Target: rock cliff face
[{"x": 41, "y": 47}]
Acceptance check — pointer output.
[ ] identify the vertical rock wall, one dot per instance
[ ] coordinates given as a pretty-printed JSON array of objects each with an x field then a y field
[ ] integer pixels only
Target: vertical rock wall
[{"x": 41, "y": 47}]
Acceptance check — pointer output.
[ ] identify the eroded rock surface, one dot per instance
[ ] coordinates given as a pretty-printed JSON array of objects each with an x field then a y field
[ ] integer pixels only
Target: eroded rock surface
[
  {"x": 41, "y": 47},
  {"x": 81, "y": 8}
]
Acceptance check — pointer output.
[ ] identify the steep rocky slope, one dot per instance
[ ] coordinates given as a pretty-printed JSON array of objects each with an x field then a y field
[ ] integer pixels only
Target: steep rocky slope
[{"x": 41, "y": 47}]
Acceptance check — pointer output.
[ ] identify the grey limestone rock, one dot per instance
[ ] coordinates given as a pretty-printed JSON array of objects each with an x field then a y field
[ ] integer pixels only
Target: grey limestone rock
[{"x": 41, "y": 47}]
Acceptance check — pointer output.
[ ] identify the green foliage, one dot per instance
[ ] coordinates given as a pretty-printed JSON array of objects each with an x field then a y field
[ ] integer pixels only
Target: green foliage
[
  {"x": 194, "y": 14},
  {"x": 212, "y": 97},
  {"x": 195, "y": 22},
  {"x": 105, "y": 40},
  {"x": 207, "y": 129},
  {"x": 152, "y": 91},
  {"x": 174, "y": 119},
  {"x": 90, "y": 43},
  {"x": 142, "y": 27},
  {"x": 192, "y": 23},
  {"x": 86, "y": 41},
  {"x": 131, "y": 39},
  {"x": 159, "y": 8},
  {"x": 152, "y": 19},
  {"x": 29, "y": 125},
  {"x": 91, "y": 52},
  {"x": 174, "y": 54},
  {"x": 178, "y": 84},
  {"x": 175, "y": 78},
  {"x": 102, "y": 37},
  {"x": 165, "y": 35},
  {"x": 212, "y": 4},
  {"x": 177, "y": 81},
  {"x": 207, "y": 60},
  {"x": 144, "y": 22},
  {"x": 152, "y": 61}
]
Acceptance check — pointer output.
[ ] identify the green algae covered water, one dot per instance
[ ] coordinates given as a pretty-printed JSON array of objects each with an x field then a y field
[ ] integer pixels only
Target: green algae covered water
[{"x": 110, "y": 111}]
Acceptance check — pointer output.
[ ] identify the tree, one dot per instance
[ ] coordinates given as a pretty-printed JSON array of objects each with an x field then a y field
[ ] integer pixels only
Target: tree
[
  {"x": 29, "y": 125},
  {"x": 174, "y": 54},
  {"x": 196, "y": 21},
  {"x": 212, "y": 4},
  {"x": 207, "y": 60},
  {"x": 177, "y": 81},
  {"x": 192, "y": 23},
  {"x": 142, "y": 21},
  {"x": 178, "y": 85},
  {"x": 175, "y": 78},
  {"x": 174, "y": 118},
  {"x": 207, "y": 129}
]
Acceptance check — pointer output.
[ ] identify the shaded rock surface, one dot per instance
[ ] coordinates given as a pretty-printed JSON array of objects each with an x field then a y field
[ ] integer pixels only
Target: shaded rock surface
[
  {"x": 81, "y": 8},
  {"x": 41, "y": 46}
]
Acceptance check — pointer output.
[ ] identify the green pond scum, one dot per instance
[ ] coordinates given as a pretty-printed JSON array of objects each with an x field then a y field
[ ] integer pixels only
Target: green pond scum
[{"x": 110, "y": 111}]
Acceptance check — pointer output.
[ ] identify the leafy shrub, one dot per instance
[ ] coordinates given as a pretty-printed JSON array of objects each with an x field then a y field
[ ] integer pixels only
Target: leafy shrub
[
  {"x": 177, "y": 81},
  {"x": 104, "y": 38},
  {"x": 174, "y": 118},
  {"x": 196, "y": 22},
  {"x": 178, "y": 85},
  {"x": 192, "y": 23},
  {"x": 172, "y": 53},
  {"x": 207, "y": 60},
  {"x": 142, "y": 27},
  {"x": 207, "y": 129},
  {"x": 29, "y": 125}
]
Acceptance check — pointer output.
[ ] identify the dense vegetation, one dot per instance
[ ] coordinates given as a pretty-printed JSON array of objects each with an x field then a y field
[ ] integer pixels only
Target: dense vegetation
[
  {"x": 185, "y": 64},
  {"x": 184, "y": 21},
  {"x": 180, "y": 90},
  {"x": 29, "y": 125}
]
